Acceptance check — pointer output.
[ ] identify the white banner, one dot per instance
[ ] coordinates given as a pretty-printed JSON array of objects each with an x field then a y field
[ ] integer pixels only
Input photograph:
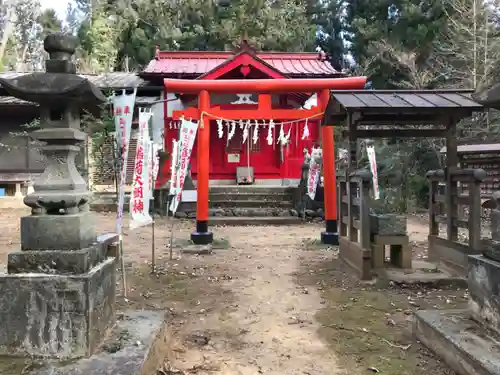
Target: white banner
[
  {"x": 370, "y": 150},
  {"x": 158, "y": 125},
  {"x": 142, "y": 182},
  {"x": 173, "y": 166},
  {"x": 314, "y": 172},
  {"x": 123, "y": 108},
  {"x": 187, "y": 137},
  {"x": 156, "y": 163}
]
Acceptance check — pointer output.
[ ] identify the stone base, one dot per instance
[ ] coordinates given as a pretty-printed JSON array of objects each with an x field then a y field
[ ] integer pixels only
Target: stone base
[
  {"x": 63, "y": 316},
  {"x": 57, "y": 232},
  {"x": 484, "y": 290},
  {"x": 422, "y": 273},
  {"x": 137, "y": 346},
  {"x": 330, "y": 238},
  {"x": 72, "y": 262},
  {"x": 460, "y": 342},
  {"x": 202, "y": 238}
]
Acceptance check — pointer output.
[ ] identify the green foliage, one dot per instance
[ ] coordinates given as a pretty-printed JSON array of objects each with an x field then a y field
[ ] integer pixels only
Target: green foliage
[
  {"x": 49, "y": 23},
  {"x": 131, "y": 31},
  {"x": 380, "y": 29}
]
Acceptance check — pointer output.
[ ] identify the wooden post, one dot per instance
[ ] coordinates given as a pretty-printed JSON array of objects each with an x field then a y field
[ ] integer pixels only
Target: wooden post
[
  {"x": 364, "y": 209},
  {"x": 202, "y": 236},
  {"x": 433, "y": 224},
  {"x": 451, "y": 185},
  {"x": 474, "y": 222},
  {"x": 330, "y": 236}
]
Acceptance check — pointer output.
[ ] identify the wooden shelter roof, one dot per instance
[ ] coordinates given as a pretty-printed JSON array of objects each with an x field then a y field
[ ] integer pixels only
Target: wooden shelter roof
[{"x": 401, "y": 106}]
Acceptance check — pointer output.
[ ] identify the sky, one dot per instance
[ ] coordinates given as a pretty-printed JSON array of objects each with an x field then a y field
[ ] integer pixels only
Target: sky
[{"x": 59, "y": 6}]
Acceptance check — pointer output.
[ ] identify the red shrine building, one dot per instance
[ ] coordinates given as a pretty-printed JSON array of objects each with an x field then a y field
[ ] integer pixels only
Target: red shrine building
[{"x": 271, "y": 162}]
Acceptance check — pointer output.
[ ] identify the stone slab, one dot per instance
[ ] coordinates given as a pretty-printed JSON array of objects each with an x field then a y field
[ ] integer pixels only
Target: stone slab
[
  {"x": 59, "y": 316},
  {"x": 460, "y": 342},
  {"x": 62, "y": 261},
  {"x": 424, "y": 272},
  {"x": 388, "y": 225},
  {"x": 242, "y": 220},
  {"x": 136, "y": 347},
  {"x": 484, "y": 290},
  {"x": 55, "y": 262},
  {"x": 58, "y": 232}
]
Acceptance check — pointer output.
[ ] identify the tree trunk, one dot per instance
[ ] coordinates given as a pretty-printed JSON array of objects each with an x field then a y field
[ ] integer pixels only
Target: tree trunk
[{"x": 9, "y": 27}]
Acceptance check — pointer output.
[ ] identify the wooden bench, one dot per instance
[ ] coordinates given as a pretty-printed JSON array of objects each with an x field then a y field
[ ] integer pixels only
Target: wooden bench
[{"x": 400, "y": 251}]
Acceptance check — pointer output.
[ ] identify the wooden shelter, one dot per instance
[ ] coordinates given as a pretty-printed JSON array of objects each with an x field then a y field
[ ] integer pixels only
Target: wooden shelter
[
  {"x": 482, "y": 155},
  {"x": 404, "y": 114}
]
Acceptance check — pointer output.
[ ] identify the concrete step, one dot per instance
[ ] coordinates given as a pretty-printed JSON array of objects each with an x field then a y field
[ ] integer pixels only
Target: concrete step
[
  {"x": 463, "y": 344},
  {"x": 251, "y": 196},
  {"x": 242, "y": 203},
  {"x": 257, "y": 221},
  {"x": 251, "y": 189},
  {"x": 241, "y": 212}
]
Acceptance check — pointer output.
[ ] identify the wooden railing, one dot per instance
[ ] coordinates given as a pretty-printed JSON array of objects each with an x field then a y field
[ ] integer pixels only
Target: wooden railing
[
  {"x": 354, "y": 216},
  {"x": 444, "y": 209}
]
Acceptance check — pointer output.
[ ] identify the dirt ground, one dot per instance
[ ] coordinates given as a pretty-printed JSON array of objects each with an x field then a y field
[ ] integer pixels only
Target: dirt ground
[{"x": 269, "y": 303}]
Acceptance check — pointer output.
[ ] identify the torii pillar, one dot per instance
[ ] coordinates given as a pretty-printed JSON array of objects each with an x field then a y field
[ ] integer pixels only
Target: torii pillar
[
  {"x": 263, "y": 87},
  {"x": 330, "y": 236}
]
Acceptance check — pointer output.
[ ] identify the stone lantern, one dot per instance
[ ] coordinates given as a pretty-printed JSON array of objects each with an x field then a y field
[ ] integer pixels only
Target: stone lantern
[{"x": 58, "y": 298}]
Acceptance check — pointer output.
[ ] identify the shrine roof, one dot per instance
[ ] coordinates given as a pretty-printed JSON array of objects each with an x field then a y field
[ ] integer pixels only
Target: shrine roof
[{"x": 179, "y": 64}]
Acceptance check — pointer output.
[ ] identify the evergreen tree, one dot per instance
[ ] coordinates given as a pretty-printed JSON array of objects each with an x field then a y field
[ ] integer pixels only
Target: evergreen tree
[
  {"x": 330, "y": 19},
  {"x": 383, "y": 34}
]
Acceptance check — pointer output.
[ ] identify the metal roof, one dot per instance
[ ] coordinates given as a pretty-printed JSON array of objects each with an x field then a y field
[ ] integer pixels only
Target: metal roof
[
  {"x": 404, "y": 100},
  {"x": 197, "y": 63}
]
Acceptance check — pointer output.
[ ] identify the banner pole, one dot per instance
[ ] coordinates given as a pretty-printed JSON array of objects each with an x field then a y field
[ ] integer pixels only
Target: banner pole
[
  {"x": 152, "y": 200},
  {"x": 122, "y": 264}
]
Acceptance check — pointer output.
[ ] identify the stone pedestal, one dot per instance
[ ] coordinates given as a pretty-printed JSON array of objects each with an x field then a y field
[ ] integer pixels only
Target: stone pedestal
[
  {"x": 57, "y": 315},
  {"x": 484, "y": 291},
  {"x": 57, "y": 232},
  {"x": 58, "y": 298}
]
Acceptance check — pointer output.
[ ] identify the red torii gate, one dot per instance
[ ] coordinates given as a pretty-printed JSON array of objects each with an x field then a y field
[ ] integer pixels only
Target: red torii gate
[{"x": 264, "y": 88}]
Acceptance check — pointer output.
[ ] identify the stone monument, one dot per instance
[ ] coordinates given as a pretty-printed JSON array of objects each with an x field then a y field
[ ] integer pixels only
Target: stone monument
[
  {"x": 58, "y": 297},
  {"x": 469, "y": 340}
]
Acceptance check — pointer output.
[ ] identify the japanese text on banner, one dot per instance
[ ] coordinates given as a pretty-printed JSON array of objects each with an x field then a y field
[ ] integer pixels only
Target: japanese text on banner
[
  {"x": 174, "y": 166},
  {"x": 123, "y": 107},
  {"x": 187, "y": 135},
  {"x": 142, "y": 181}
]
